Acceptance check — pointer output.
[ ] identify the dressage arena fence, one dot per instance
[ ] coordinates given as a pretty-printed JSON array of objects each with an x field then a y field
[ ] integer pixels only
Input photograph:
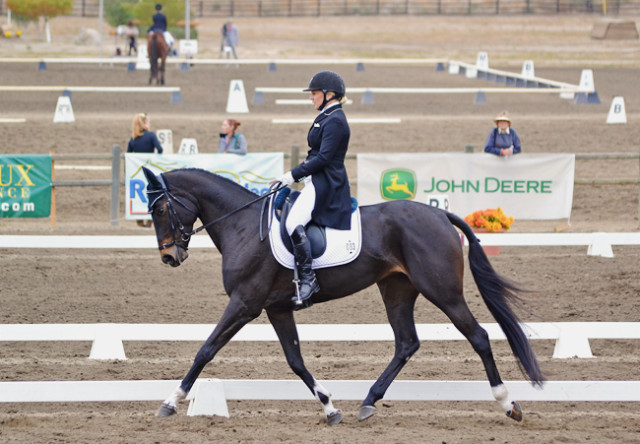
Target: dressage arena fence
[
  {"x": 209, "y": 396},
  {"x": 572, "y": 338},
  {"x": 310, "y": 8}
]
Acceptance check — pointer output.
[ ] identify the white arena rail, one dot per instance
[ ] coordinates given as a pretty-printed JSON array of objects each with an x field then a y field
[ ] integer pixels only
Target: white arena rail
[
  {"x": 463, "y": 90},
  {"x": 599, "y": 244},
  {"x": 195, "y": 61},
  {"x": 209, "y": 396},
  {"x": 103, "y": 89},
  {"x": 572, "y": 338}
]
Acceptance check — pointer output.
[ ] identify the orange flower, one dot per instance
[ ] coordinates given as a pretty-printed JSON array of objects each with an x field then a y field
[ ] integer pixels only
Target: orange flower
[{"x": 492, "y": 219}]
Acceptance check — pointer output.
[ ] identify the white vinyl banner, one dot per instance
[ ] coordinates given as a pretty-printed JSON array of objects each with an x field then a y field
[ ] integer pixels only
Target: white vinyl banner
[
  {"x": 526, "y": 186},
  {"x": 253, "y": 171}
]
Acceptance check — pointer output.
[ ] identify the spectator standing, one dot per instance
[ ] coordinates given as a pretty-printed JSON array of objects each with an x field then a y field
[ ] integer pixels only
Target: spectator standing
[
  {"x": 503, "y": 140},
  {"x": 229, "y": 38},
  {"x": 132, "y": 35},
  {"x": 231, "y": 141}
]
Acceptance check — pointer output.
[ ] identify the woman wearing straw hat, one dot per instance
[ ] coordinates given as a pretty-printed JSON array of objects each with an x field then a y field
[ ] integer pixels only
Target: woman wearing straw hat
[{"x": 503, "y": 140}]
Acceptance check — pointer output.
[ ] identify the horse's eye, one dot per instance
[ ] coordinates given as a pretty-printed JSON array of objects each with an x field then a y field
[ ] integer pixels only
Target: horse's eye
[{"x": 161, "y": 211}]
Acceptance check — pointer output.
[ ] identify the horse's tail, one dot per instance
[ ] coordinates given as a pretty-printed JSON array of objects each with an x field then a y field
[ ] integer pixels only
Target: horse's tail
[
  {"x": 153, "y": 53},
  {"x": 497, "y": 292}
]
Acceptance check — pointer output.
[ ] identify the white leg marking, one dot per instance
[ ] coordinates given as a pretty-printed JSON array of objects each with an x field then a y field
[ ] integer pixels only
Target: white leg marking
[
  {"x": 177, "y": 395},
  {"x": 319, "y": 389},
  {"x": 502, "y": 396}
]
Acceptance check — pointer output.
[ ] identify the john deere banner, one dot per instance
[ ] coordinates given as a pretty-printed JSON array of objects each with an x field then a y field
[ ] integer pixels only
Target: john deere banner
[
  {"x": 526, "y": 186},
  {"x": 253, "y": 171},
  {"x": 25, "y": 185}
]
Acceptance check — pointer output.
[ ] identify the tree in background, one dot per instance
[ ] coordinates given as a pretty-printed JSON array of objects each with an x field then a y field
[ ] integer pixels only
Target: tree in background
[
  {"x": 119, "y": 12},
  {"x": 32, "y": 10}
]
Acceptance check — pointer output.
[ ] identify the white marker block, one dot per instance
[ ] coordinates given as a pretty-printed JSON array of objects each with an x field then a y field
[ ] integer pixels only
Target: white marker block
[
  {"x": 482, "y": 61},
  {"x": 142, "y": 62},
  {"x": 237, "y": 100},
  {"x": 165, "y": 136},
  {"x": 454, "y": 68},
  {"x": 208, "y": 399},
  {"x": 528, "y": 71},
  {"x": 586, "y": 80},
  {"x": 439, "y": 201},
  {"x": 188, "y": 146},
  {"x": 64, "y": 111},
  {"x": 471, "y": 73},
  {"x": 617, "y": 113}
]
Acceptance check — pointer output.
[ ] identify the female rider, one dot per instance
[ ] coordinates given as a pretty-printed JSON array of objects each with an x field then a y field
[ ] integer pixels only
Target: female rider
[{"x": 326, "y": 196}]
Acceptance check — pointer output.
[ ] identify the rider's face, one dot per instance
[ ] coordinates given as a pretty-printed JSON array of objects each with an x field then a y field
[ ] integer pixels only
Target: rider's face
[{"x": 316, "y": 98}]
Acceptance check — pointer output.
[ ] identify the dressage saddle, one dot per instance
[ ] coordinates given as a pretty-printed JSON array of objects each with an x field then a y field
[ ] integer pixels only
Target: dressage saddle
[{"x": 315, "y": 233}]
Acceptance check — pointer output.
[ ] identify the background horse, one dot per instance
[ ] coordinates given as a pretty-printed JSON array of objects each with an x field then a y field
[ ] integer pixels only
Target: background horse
[
  {"x": 158, "y": 49},
  {"x": 408, "y": 249}
]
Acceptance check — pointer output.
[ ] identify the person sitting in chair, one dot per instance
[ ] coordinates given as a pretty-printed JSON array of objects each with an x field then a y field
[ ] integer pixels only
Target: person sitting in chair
[{"x": 326, "y": 196}]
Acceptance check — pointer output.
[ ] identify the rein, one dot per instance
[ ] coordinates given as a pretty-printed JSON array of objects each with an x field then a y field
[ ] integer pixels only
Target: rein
[{"x": 173, "y": 214}]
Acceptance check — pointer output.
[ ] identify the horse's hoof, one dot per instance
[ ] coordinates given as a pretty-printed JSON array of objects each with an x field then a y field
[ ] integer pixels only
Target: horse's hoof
[
  {"x": 166, "y": 410},
  {"x": 334, "y": 418},
  {"x": 366, "y": 411},
  {"x": 515, "y": 412}
]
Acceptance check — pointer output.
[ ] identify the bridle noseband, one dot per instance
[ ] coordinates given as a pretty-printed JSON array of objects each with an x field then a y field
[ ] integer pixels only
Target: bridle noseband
[{"x": 175, "y": 220}]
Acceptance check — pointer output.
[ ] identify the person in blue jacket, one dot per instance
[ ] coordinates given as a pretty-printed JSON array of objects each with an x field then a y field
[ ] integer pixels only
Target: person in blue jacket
[
  {"x": 159, "y": 20},
  {"x": 160, "y": 25},
  {"x": 142, "y": 139},
  {"x": 503, "y": 140},
  {"x": 326, "y": 196}
]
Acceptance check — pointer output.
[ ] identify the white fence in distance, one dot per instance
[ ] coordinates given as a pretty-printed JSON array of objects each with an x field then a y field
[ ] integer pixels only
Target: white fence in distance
[
  {"x": 599, "y": 244},
  {"x": 572, "y": 338}
]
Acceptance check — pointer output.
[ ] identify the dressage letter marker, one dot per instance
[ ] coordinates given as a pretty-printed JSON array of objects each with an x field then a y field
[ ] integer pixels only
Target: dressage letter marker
[
  {"x": 237, "y": 101},
  {"x": 188, "y": 146},
  {"x": 165, "y": 136},
  {"x": 64, "y": 111},
  {"x": 617, "y": 114}
]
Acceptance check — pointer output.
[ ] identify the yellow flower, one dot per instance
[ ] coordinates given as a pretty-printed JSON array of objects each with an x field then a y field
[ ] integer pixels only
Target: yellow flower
[{"x": 7, "y": 33}]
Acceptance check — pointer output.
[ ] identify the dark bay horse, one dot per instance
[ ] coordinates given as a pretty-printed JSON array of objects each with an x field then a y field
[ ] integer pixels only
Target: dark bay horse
[
  {"x": 158, "y": 49},
  {"x": 408, "y": 249}
]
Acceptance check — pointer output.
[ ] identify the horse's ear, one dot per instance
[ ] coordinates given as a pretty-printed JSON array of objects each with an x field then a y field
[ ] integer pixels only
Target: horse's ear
[{"x": 152, "y": 180}]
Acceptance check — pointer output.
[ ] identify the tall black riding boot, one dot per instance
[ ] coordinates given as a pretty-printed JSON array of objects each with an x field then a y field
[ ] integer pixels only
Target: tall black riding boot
[{"x": 308, "y": 284}]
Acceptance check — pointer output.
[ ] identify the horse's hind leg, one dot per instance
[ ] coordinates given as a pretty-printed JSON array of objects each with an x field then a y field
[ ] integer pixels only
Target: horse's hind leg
[
  {"x": 285, "y": 327},
  {"x": 456, "y": 308},
  {"x": 399, "y": 297}
]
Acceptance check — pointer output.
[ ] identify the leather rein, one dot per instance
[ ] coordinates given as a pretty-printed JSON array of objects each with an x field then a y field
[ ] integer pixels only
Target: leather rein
[{"x": 175, "y": 220}]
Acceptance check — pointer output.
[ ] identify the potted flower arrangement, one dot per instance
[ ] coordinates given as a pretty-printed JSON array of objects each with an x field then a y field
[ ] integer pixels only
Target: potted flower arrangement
[{"x": 491, "y": 220}]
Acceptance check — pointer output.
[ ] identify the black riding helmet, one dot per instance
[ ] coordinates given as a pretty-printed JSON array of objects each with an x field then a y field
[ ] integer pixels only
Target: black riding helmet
[
  {"x": 326, "y": 81},
  {"x": 158, "y": 7}
]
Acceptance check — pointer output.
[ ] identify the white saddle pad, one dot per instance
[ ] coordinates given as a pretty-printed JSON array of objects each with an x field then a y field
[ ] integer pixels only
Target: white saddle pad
[{"x": 343, "y": 246}]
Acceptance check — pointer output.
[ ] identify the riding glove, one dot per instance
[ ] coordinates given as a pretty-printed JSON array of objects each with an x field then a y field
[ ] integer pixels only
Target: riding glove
[{"x": 287, "y": 179}]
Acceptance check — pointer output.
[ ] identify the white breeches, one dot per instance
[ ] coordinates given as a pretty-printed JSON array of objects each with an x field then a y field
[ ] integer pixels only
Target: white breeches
[
  {"x": 168, "y": 38},
  {"x": 301, "y": 210}
]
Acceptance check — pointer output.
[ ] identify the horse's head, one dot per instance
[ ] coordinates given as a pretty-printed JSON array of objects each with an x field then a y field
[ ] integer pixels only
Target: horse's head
[{"x": 172, "y": 218}]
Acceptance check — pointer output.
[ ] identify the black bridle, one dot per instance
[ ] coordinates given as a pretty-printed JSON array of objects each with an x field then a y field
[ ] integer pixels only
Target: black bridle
[{"x": 175, "y": 220}]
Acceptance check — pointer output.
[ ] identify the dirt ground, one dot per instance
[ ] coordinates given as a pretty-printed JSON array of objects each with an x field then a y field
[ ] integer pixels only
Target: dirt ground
[{"x": 132, "y": 286}]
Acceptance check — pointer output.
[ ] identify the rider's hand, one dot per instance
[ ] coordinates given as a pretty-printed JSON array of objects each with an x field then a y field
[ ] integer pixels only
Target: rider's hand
[{"x": 287, "y": 179}]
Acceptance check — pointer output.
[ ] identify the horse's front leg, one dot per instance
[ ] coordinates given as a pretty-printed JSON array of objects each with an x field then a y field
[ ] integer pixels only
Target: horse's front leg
[
  {"x": 285, "y": 327},
  {"x": 236, "y": 315}
]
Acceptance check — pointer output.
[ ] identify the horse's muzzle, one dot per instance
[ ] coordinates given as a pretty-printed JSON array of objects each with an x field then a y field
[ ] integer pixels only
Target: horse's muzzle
[{"x": 174, "y": 255}]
